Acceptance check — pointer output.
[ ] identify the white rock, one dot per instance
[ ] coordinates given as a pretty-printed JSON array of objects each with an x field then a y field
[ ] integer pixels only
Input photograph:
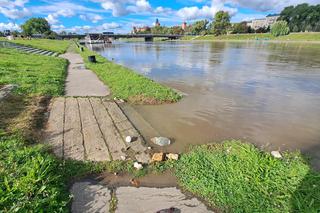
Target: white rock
[
  {"x": 123, "y": 157},
  {"x": 149, "y": 147},
  {"x": 172, "y": 156},
  {"x": 137, "y": 165},
  {"x": 276, "y": 154},
  {"x": 161, "y": 141},
  {"x": 128, "y": 139}
]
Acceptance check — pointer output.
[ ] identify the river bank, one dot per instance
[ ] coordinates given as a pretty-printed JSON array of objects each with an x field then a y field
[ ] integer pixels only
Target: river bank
[
  {"x": 292, "y": 37},
  {"x": 266, "y": 182}
]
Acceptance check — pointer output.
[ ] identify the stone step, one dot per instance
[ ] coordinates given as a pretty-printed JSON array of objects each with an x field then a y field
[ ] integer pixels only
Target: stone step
[
  {"x": 42, "y": 52},
  {"x": 33, "y": 51},
  {"x": 49, "y": 53},
  {"x": 55, "y": 54},
  {"x": 38, "y": 52}
]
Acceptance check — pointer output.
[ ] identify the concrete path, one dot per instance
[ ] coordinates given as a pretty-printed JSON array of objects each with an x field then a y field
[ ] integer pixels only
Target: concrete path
[
  {"x": 95, "y": 197},
  {"x": 81, "y": 81},
  {"x": 92, "y": 129}
]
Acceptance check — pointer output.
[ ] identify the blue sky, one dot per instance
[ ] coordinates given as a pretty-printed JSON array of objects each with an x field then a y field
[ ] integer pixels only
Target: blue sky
[{"x": 121, "y": 15}]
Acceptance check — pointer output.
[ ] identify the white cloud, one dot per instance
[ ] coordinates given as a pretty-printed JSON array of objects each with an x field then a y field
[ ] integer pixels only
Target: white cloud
[
  {"x": 94, "y": 18},
  {"x": 207, "y": 12},
  {"x": 14, "y": 9},
  {"x": 110, "y": 26},
  {"x": 9, "y": 26},
  {"x": 263, "y": 5},
  {"x": 53, "y": 17},
  {"x": 125, "y": 7}
]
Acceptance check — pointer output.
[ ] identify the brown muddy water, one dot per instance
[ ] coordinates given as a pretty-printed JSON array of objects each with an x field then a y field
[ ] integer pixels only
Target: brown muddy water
[{"x": 261, "y": 92}]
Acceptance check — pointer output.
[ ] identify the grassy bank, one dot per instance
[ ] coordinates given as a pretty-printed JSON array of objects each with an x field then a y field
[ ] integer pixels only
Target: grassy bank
[
  {"x": 34, "y": 74},
  {"x": 59, "y": 46},
  {"x": 31, "y": 178},
  {"x": 258, "y": 36},
  {"x": 127, "y": 84},
  {"x": 237, "y": 177}
]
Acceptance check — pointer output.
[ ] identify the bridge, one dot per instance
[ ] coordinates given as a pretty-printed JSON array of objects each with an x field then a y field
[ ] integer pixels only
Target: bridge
[{"x": 95, "y": 37}]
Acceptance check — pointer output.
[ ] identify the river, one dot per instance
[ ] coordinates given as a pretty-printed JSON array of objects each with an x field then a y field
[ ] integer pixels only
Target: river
[{"x": 261, "y": 92}]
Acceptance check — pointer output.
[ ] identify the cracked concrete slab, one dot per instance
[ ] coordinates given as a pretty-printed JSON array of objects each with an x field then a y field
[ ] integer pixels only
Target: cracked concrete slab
[
  {"x": 89, "y": 197},
  {"x": 94, "y": 197},
  {"x": 144, "y": 199},
  {"x": 86, "y": 129}
]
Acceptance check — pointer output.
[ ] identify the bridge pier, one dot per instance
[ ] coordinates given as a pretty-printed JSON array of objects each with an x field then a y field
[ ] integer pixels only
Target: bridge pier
[{"x": 148, "y": 38}]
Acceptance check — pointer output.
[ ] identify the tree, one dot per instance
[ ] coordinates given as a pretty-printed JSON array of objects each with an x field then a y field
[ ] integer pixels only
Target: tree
[
  {"x": 221, "y": 23},
  {"x": 302, "y": 17},
  {"x": 280, "y": 28},
  {"x": 35, "y": 26},
  {"x": 176, "y": 30},
  {"x": 1, "y": 34},
  {"x": 198, "y": 27},
  {"x": 241, "y": 28},
  {"x": 159, "y": 30}
]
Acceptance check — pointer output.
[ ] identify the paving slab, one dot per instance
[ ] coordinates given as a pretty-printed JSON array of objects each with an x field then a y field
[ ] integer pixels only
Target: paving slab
[
  {"x": 82, "y": 128},
  {"x": 151, "y": 200},
  {"x": 90, "y": 198},
  {"x": 55, "y": 126},
  {"x": 81, "y": 81},
  {"x": 73, "y": 138},
  {"x": 94, "y": 143}
]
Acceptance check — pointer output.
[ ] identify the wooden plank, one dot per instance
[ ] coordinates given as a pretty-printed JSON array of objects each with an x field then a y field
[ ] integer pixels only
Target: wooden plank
[
  {"x": 73, "y": 140},
  {"x": 115, "y": 112},
  {"x": 114, "y": 141},
  {"x": 96, "y": 149},
  {"x": 54, "y": 130}
]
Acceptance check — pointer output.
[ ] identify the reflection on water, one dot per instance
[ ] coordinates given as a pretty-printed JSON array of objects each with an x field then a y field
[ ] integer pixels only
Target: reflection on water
[{"x": 266, "y": 93}]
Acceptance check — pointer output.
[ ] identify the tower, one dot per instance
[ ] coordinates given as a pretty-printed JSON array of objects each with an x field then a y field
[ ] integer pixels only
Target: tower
[{"x": 157, "y": 23}]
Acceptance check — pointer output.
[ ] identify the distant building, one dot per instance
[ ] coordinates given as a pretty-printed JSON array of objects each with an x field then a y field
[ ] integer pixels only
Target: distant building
[
  {"x": 184, "y": 25},
  {"x": 157, "y": 23},
  {"x": 137, "y": 30},
  {"x": 264, "y": 22}
]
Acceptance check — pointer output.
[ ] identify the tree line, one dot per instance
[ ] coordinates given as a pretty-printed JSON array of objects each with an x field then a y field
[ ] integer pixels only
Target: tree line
[{"x": 300, "y": 18}]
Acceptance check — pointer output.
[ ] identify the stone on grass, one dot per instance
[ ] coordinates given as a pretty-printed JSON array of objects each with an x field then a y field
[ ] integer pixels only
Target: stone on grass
[
  {"x": 137, "y": 165},
  {"x": 161, "y": 141},
  {"x": 157, "y": 157},
  {"x": 123, "y": 157},
  {"x": 276, "y": 154},
  {"x": 128, "y": 139},
  {"x": 172, "y": 156}
]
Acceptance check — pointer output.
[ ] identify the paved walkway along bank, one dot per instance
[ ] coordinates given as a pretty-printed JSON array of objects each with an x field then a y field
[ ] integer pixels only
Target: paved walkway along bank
[
  {"x": 81, "y": 81},
  {"x": 94, "y": 129},
  {"x": 95, "y": 197}
]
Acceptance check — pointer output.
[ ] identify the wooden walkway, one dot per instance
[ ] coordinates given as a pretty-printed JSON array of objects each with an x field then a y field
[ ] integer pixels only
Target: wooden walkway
[{"x": 93, "y": 129}]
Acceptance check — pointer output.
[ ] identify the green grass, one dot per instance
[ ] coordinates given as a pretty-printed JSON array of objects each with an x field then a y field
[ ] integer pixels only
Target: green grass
[
  {"x": 34, "y": 74},
  {"x": 127, "y": 84},
  {"x": 237, "y": 177},
  {"x": 59, "y": 46},
  {"x": 258, "y": 36}
]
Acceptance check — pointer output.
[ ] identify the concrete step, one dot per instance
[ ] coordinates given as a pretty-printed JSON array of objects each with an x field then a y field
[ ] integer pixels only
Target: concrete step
[
  {"x": 55, "y": 54},
  {"x": 49, "y": 53},
  {"x": 45, "y": 52},
  {"x": 37, "y": 52},
  {"x": 33, "y": 51}
]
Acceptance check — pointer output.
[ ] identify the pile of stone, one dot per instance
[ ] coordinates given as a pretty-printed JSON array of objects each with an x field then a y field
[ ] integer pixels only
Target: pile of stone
[{"x": 158, "y": 157}]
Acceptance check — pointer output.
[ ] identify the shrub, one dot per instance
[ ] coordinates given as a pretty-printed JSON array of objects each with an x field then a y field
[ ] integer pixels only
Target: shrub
[{"x": 280, "y": 28}]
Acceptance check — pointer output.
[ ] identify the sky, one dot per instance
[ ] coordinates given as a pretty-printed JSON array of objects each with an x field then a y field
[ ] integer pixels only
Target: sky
[{"x": 82, "y": 16}]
